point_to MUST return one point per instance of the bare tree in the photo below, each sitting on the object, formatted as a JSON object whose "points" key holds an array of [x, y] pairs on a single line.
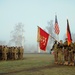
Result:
{"points": [[17, 36], [2, 42], [50, 29]]}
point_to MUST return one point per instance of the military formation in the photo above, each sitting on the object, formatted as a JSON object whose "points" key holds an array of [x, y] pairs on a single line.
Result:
{"points": [[64, 53], [11, 53]]}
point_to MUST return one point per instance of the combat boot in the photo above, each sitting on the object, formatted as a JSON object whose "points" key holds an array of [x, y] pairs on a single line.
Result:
{"points": [[61, 63], [73, 64], [55, 62], [65, 63], [70, 64]]}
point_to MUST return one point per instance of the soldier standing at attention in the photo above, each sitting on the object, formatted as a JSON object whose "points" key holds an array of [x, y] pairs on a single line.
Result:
{"points": [[71, 54], [60, 52], [15, 53], [55, 52], [18, 52], [1, 46], [4, 52], [21, 52], [66, 52]]}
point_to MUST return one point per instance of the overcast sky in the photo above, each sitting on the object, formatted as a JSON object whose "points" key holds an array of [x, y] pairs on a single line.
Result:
{"points": [[33, 13]]}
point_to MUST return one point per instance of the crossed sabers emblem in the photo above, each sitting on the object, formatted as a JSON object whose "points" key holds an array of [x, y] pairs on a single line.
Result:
{"points": [[43, 40]]}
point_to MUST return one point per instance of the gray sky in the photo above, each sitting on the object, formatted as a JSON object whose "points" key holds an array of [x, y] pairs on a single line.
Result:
{"points": [[33, 13]]}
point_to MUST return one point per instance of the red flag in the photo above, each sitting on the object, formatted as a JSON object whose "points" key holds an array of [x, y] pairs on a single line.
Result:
{"points": [[56, 26], [42, 38], [69, 39]]}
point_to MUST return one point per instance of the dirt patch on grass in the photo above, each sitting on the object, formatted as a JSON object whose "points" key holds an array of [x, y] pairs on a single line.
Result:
{"points": [[32, 69]]}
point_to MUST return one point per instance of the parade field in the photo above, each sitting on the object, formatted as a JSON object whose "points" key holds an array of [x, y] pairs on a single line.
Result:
{"points": [[35, 64]]}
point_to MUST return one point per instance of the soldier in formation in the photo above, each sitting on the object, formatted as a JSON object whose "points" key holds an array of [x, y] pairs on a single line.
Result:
{"points": [[64, 53], [55, 52], [4, 52], [20, 52], [11, 53], [71, 54], [60, 52]]}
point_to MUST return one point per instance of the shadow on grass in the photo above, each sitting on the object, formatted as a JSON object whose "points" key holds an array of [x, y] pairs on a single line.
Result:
{"points": [[34, 69]]}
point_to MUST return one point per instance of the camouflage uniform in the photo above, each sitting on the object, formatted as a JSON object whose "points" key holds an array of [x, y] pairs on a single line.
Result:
{"points": [[8, 54], [66, 53], [4, 53], [21, 52], [74, 47], [55, 52], [71, 54], [14, 51], [1, 52], [60, 52], [18, 52]]}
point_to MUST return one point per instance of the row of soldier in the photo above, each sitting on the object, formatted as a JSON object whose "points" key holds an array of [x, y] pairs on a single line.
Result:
{"points": [[64, 53], [11, 53]]}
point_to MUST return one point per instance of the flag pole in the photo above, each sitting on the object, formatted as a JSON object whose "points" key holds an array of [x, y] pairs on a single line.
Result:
{"points": [[38, 32], [38, 48], [58, 37], [53, 38]]}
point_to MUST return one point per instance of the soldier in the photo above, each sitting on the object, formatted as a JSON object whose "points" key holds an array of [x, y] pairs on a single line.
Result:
{"points": [[4, 52], [12, 52], [1, 51], [55, 52], [9, 53], [71, 54], [18, 52], [60, 52], [21, 52], [74, 49], [66, 52], [15, 53]]}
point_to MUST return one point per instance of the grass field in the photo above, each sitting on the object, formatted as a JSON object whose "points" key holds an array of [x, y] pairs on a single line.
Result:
{"points": [[35, 64]]}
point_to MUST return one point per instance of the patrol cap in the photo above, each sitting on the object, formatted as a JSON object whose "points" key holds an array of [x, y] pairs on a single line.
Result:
{"points": [[55, 41], [60, 40]]}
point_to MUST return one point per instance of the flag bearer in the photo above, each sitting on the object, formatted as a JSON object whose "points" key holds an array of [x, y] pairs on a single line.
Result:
{"points": [[60, 52], [71, 54], [66, 52], [55, 52]]}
